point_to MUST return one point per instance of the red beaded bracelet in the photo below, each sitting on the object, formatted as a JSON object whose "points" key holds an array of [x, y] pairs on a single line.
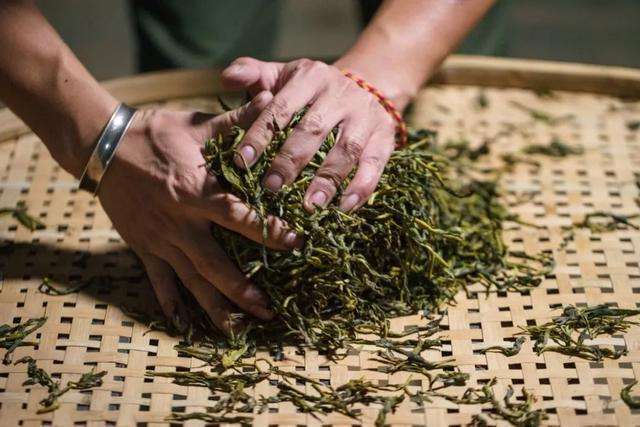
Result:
{"points": [[401, 127]]}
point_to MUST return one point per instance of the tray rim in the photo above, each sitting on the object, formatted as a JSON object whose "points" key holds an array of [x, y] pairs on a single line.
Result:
{"points": [[485, 71]]}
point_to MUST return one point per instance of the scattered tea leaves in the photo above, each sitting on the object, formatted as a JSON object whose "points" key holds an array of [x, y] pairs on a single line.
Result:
{"points": [[40, 376], [556, 148], [12, 337], [571, 332], [481, 100], [509, 351], [515, 413], [632, 402], [210, 418], [542, 116], [46, 286], [19, 213], [614, 220]]}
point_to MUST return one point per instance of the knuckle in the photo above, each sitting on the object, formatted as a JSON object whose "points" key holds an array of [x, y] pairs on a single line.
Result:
{"points": [[235, 211], [365, 188], [278, 110], [331, 177], [185, 185], [304, 64], [203, 270], [373, 161], [312, 123], [319, 65], [351, 147], [275, 228], [287, 163], [258, 137]]}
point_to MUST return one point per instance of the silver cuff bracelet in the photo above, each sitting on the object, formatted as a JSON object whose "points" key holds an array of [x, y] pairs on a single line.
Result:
{"points": [[106, 147]]}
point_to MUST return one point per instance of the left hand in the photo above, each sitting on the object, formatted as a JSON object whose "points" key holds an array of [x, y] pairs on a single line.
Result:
{"points": [[366, 138]]}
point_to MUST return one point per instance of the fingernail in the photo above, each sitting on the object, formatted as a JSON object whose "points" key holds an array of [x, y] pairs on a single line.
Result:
{"points": [[349, 202], [318, 198], [292, 240], [248, 153], [273, 182], [234, 69]]}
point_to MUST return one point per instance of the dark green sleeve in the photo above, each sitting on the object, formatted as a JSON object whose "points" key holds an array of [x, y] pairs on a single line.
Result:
{"points": [[201, 33], [489, 37]]}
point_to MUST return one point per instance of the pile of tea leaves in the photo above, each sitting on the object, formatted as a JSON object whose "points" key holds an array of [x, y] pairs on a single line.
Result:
{"points": [[430, 229]]}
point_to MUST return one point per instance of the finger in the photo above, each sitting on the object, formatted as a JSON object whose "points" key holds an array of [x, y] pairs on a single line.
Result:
{"points": [[213, 265], [303, 142], [230, 212], [252, 74], [220, 310], [370, 167], [165, 286], [243, 116], [217, 307], [299, 90], [341, 159]]}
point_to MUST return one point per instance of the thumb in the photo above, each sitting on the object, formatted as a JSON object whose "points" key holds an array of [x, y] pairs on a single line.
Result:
{"points": [[251, 74], [242, 116]]}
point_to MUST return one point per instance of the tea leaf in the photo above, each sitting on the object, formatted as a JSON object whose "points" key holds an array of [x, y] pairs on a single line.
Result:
{"points": [[12, 337], [210, 418], [632, 402], [20, 214], [542, 116], [555, 148], [570, 332], [507, 351], [46, 287], [516, 414], [40, 376]]}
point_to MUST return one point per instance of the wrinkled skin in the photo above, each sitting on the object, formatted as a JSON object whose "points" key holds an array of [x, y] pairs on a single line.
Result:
{"points": [[365, 141], [162, 201]]}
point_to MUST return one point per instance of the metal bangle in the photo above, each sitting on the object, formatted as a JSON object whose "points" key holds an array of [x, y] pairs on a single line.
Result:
{"points": [[106, 147]]}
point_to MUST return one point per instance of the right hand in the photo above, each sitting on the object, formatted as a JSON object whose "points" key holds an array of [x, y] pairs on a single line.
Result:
{"points": [[161, 200]]}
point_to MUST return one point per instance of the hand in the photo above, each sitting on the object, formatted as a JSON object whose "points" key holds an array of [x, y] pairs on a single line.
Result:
{"points": [[365, 140], [161, 200]]}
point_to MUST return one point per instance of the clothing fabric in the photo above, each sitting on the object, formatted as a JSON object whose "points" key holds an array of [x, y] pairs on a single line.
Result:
{"points": [[204, 33]]}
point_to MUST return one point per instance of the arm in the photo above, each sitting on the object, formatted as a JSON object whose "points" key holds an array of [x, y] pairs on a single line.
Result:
{"points": [[155, 192], [407, 40], [43, 83], [401, 48]]}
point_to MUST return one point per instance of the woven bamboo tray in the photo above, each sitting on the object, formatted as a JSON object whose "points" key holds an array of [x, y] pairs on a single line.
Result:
{"points": [[90, 328]]}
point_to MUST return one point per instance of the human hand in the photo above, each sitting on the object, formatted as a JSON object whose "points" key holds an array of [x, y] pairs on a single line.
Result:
{"points": [[366, 138], [161, 200]]}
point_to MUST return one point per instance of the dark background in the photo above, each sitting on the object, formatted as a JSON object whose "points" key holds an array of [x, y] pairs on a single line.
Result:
{"points": [[591, 31]]}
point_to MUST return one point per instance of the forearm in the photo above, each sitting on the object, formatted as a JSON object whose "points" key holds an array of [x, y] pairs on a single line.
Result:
{"points": [[44, 84], [407, 40]]}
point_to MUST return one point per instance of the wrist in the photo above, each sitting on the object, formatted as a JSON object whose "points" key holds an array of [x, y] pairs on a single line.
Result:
{"points": [[389, 82], [72, 109], [75, 146]]}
